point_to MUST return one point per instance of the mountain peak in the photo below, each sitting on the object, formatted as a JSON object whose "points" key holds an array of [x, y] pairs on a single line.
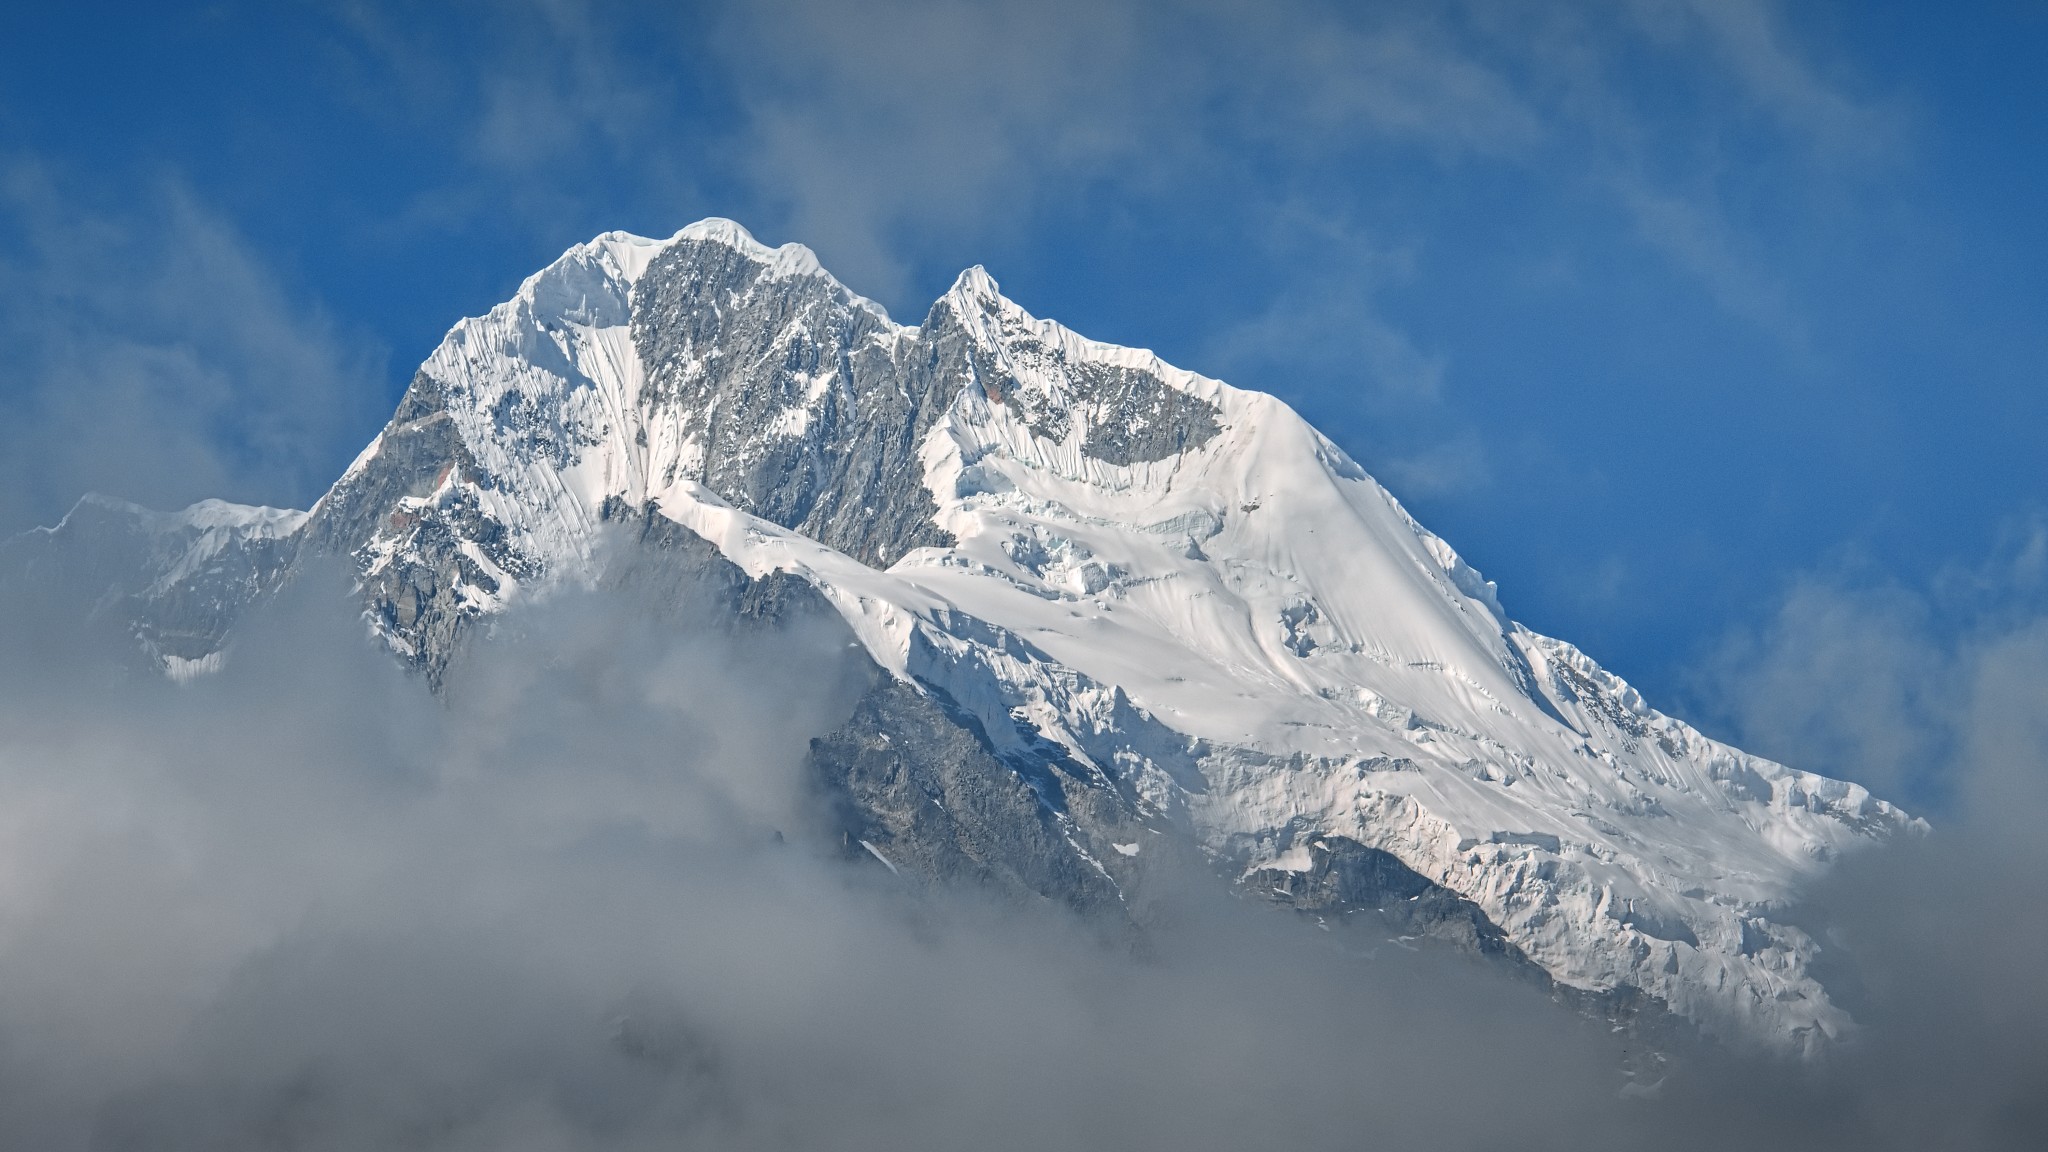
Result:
{"points": [[790, 259], [974, 289]]}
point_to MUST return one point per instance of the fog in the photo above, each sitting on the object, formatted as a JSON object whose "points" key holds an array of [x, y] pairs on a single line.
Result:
{"points": [[586, 899], [1935, 694]]}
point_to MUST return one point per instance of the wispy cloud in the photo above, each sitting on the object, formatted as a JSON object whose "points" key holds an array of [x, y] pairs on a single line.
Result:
{"points": [[877, 128], [894, 134], [1751, 38], [872, 129], [1860, 675], [1326, 334], [1694, 234], [155, 355], [879, 125]]}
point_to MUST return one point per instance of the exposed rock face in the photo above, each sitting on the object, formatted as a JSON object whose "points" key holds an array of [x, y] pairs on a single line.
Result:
{"points": [[800, 404], [915, 783], [412, 515], [1119, 613], [1345, 876], [1120, 414]]}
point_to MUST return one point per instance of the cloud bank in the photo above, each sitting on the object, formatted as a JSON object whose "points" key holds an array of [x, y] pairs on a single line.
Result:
{"points": [[585, 901], [588, 899]]}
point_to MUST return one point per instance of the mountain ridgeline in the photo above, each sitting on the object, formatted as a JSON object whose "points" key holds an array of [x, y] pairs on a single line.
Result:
{"points": [[1120, 616]]}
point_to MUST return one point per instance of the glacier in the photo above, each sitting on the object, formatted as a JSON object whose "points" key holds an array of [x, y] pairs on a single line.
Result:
{"points": [[1169, 610]]}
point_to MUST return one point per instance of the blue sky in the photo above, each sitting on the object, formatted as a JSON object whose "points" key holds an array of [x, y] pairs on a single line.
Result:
{"points": [[1711, 330]]}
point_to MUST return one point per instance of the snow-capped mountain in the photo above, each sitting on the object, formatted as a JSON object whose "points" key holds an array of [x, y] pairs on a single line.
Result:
{"points": [[1123, 610]]}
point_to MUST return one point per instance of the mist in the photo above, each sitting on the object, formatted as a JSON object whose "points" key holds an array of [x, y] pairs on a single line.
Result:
{"points": [[588, 897], [1937, 694], [585, 899]]}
